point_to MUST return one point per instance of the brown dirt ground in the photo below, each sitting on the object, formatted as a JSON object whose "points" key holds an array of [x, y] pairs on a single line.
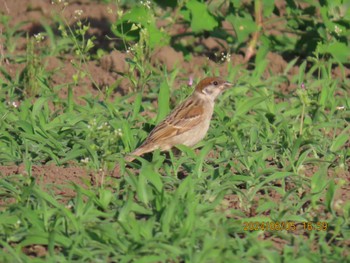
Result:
{"points": [[108, 70]]}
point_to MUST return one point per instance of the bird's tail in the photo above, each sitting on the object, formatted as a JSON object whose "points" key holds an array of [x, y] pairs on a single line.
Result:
{"points": [[131, 156], [137, 152]]}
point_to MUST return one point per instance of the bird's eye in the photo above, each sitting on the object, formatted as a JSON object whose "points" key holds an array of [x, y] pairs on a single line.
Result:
{"points": [[215, 83]]}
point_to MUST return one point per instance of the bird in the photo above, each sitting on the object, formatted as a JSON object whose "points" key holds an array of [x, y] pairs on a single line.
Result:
{"points": [[188, 123]]}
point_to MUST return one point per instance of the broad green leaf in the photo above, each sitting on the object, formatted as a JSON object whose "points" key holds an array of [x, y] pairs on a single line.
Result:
{"points": [[319, 180], [142, 189], [128, 27], [244, 106], [152, 258], [201, 18], [105, 197], [301, 75], [338, 50], [327, 90], [266, 206], [243, 26], [26, 126], [200, 160], [125, 210], [340, 140], [267, 7], [72, 155], [330, 196], [273, 177], [140, 209], [238, 142], [168, 215], [137, 105], [185, 186], [163, 101], [37, 107], [153, 177]]}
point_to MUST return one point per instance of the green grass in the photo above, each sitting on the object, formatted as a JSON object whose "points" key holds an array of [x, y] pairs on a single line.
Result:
{"points": [[253, 166]]}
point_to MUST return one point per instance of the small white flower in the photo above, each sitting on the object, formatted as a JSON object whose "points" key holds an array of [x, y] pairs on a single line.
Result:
{"points": [[134, 27], [146, 4], [18, 223], [39, 37], [78, 13], [130, 50], [85, 160], [225, 57], [228, 57], [340, 108], [337, 30], [109, 10], [13, 104], [118, 132]]}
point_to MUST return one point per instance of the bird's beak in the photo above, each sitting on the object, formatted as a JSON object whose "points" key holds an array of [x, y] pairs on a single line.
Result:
{"points": [[227, 85]]}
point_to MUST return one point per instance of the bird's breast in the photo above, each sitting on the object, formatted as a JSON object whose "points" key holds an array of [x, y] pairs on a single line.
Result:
{"points": [[197, 133]]}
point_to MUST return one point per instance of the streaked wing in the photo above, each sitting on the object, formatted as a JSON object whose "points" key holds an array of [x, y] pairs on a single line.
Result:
{"points": [[183, 118]]}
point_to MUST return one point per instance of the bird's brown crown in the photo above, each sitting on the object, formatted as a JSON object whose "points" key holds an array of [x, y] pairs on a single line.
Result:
{"points": [[209, 81]]}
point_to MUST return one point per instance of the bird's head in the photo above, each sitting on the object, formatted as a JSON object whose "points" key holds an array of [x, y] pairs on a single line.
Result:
{"points": [[212, 87]]}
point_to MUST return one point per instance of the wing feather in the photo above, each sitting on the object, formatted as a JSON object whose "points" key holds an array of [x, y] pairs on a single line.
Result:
{"points": [[186, 116]]}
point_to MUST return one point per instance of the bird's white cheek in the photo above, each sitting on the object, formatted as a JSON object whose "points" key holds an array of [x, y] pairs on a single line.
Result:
{"points": [[212, 93]]}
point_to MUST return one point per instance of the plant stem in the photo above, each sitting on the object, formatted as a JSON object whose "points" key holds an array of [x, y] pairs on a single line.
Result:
{"points": [[302, 120], [259, 22]]}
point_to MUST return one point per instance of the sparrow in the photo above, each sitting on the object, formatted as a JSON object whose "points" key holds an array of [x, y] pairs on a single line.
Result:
{"points": [[188, 123]]}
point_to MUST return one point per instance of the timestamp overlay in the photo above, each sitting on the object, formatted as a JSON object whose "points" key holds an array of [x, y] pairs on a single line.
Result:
{"points": [[284, 225]]}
